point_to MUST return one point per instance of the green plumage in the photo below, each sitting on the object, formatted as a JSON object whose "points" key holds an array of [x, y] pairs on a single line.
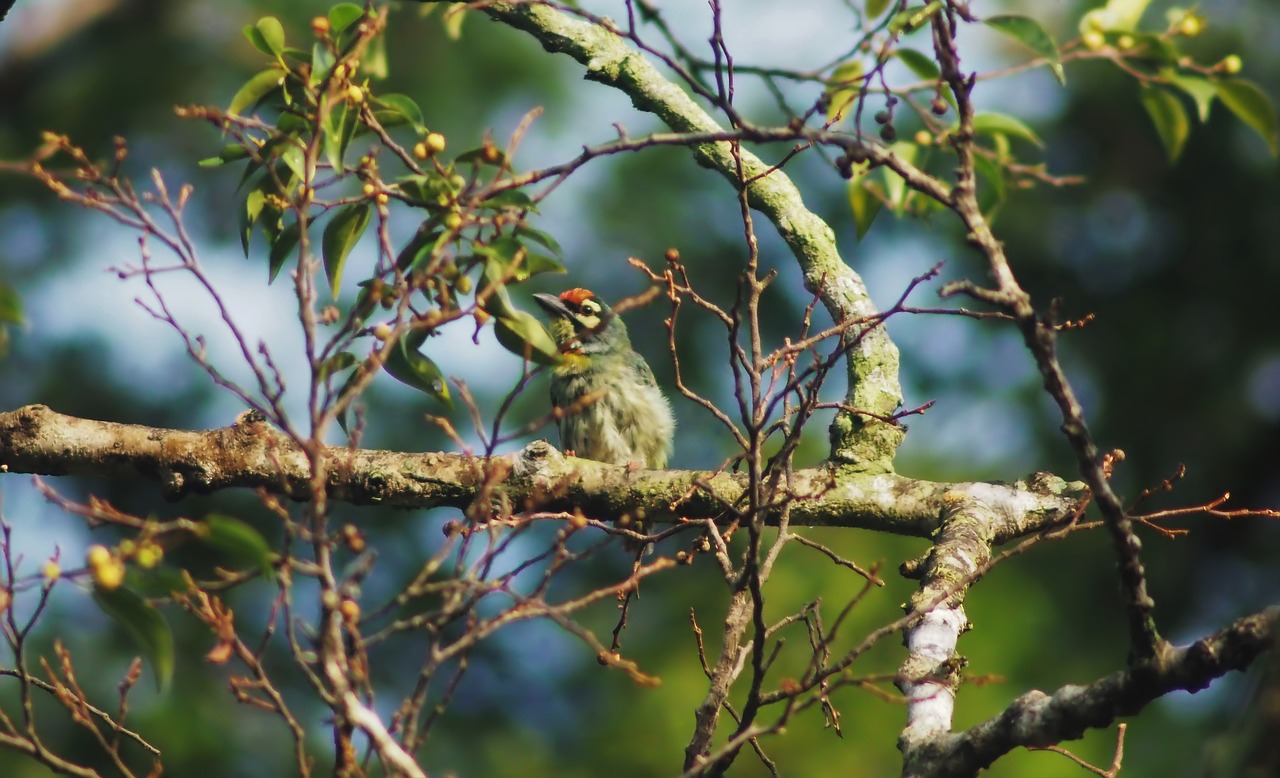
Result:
{"points": [[612, 409]]}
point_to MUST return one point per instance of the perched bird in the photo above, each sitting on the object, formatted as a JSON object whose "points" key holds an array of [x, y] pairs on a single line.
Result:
{"points": [[612, 409]]}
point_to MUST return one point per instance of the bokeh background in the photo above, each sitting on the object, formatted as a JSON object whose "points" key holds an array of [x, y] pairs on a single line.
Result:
{"points": [[1182, 365]]}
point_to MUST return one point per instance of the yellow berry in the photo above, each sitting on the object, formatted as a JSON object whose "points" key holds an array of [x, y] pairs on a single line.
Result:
{"points": [[420, 150], [1232, 64], [1191, 25], [453, 220], [1094, 40], [110, 575], [924, 138], [382, 198], [97, 556], [320, 26], [150, 555], [355, 94], [435, 143], [350, 610], [481, 316], [463, 285], [382, 331], [369, 189], [51, 571], [1125, 42]]}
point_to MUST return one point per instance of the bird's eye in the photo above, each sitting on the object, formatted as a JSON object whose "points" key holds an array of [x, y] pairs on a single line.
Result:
{"points": [[588, 308]]}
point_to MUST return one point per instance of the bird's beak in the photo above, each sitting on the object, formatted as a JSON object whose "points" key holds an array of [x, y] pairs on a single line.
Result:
{"points": [[552, 305]]}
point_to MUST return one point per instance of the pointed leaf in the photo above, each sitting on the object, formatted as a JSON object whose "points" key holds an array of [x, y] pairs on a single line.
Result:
{"points": [[523, 335], [1033, 35], [843, 88], [895, 186], [399, 109], [249, 213], [541, 238], [1202, 91], [862, 201], [322, 62], [340, 236], [272, 35], [990, 197], [1004, 124], [1253, 107], [240, 541], [1170, 119], [342, 16], [919, 63], [255, 89], [281, 248], [145, 624], [410, 366], [336, 364]]}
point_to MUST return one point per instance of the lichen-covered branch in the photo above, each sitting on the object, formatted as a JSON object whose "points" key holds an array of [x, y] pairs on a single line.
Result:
{"points": [[864, 440], [252, 454], [1039, 719]]}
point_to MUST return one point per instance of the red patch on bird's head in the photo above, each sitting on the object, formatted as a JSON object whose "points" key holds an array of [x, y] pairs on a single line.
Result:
{"points": [[575, 297]]}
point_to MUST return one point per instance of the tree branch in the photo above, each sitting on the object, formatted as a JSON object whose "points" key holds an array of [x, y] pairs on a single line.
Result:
{"points": [[1039, 719], [252, 454], [860, 439]]}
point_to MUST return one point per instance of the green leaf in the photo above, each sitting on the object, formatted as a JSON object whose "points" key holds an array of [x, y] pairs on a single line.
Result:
{"points": [[270, 35], [541, 238], [240, 541], [862, 201], [497, 302], [477, 156], [1116, 16], [342, 16], [399, 109], [1004, 124], [877, 7], [535, 263], [230, 153], [919, 63], [913, 18], [1033, 35], [249, 213], [374, 63], [333, 134], [256, 89], [895, 186], [295, 160], [843, 88], [336, 364], [10, 305], [145, 624], [1170, 119], [1201, 90], [523, 335], [990, 197], [322, 62], [453, 19], [281, 248], [410, 366], [340, 236], [1253, 107]]}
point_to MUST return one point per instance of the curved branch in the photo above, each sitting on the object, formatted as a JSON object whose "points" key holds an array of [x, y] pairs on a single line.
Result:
{"points": [[252, 454], [1039, 719], [865, 440]]}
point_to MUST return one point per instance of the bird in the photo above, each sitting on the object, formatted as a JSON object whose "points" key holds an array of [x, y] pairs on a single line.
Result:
{"points": [[608, 405]]}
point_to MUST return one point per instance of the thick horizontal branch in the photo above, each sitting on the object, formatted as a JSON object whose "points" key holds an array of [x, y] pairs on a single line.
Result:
{"points": [[252, 454], [1039, 719]]}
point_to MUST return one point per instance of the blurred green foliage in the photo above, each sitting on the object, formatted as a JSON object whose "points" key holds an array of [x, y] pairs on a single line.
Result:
{"points": [[1182, 365]]}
